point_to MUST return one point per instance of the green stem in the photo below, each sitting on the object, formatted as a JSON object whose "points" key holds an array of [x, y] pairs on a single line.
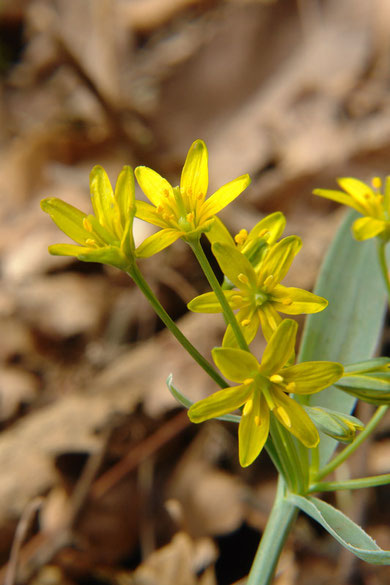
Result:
{"points": [[383, 265], [278, 527], [351, 484], [213, 281], [288, 457], [139, 280], [347, 452]]}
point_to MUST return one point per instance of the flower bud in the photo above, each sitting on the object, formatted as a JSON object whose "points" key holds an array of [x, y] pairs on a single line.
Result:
{"points": [[369, 380], [337, 425]]}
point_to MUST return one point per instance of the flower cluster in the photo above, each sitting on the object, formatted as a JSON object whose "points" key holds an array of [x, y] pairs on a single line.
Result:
{"points": [[254, 264]]}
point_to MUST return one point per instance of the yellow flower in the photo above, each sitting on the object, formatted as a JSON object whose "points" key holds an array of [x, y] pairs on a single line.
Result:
{"points": [[259, 297], [105, 237], [368, 201], [182, 212], [255, 243], [263, 391]]}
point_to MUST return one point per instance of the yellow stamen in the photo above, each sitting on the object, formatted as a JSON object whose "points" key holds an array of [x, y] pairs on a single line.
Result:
{"points": [[200, 196], [166, 193], [376, 183], [276, 378], [243, 278], [236, 298], [87, 225], [90, 242], [245, 322], [190, 217], [284, 416], [159, 208], [241, 237], [257, 421], [248, 407], [291, 386], [269, 280], [286, 301], [248, 381]]}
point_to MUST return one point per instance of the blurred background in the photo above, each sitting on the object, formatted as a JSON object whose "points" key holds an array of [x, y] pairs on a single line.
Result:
{"points": [[295, 92]]}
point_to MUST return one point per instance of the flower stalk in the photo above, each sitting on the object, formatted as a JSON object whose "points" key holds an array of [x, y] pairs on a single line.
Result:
{"points": [[139, 280], [213, 281]]}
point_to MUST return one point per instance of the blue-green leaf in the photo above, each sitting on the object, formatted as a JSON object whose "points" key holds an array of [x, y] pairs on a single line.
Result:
{"points": [[343, 529], [348, 329]]}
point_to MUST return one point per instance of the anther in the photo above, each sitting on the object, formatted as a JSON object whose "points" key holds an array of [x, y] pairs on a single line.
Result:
{"points": [[248, 381], [257, 420], [190, 217], [236, 298], [290, 387], [286, 301], [376, 183], [245, 322], [248, 407], [276, 378], [269, 280], [91, 243], [87, 225], [243, 278], [241, 237]]}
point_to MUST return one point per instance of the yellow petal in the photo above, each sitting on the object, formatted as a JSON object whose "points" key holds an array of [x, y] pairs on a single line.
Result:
{"points": [[219, 403], [69, 219], [208, 302], [223, 196], [277, 261], [359, 191], [310, 377], [235, 265], [253, 431], [236, 364], [279, 348], [156, 188], [124, 194], [249, 329], [269, 319], [195, 175], [295, 301], [340, 197], [270, 228], [368, 227], [218, 232], [148, 213], [103, 202], [67, 250], [157, 242], [292, 416]]}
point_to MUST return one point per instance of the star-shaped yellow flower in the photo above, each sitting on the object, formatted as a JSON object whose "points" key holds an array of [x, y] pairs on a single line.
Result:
{"points": [[263, 391], [182, 212], [370, 202], [105, 237], [259, 297]]}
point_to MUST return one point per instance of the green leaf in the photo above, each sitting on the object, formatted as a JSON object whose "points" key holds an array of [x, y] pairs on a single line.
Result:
{"points": [[348, 329], [346, 532]]}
